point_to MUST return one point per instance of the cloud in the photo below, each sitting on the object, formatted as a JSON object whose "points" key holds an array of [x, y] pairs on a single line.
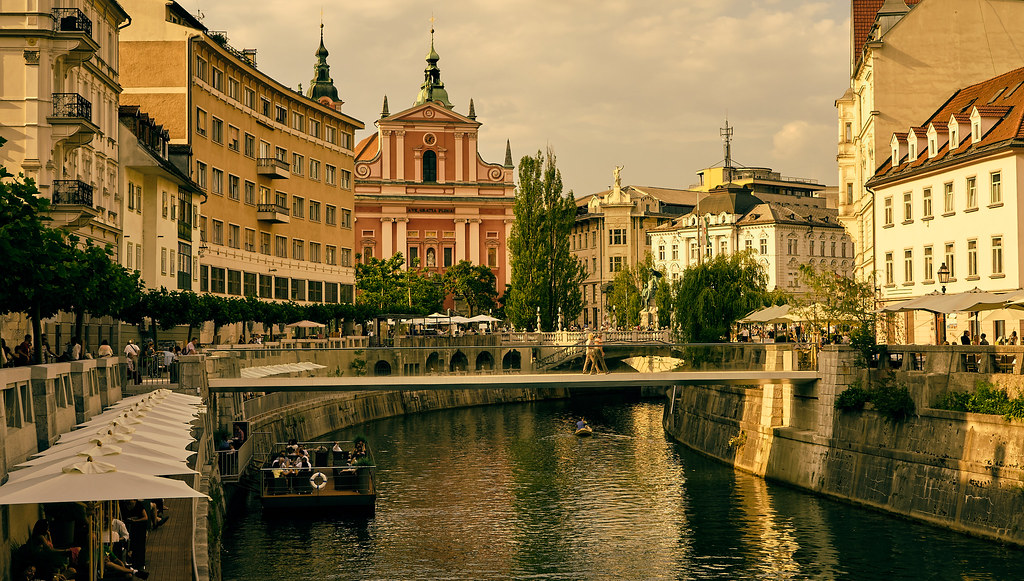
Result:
{"points": [[604, 83]]}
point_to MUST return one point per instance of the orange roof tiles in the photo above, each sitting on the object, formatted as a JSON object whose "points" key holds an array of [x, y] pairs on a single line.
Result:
{"points": [[367, 148], [1009, 126], [863, 17]]}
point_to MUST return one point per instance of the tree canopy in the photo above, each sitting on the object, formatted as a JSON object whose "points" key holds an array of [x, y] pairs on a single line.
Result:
{"points": [[472, 284], [711, 296], [545, 274]]}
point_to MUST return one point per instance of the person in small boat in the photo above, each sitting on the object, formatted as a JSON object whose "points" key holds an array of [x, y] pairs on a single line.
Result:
{"points": [[581, 424]]}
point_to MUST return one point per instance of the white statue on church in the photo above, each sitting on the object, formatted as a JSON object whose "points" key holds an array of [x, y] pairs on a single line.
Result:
{"points": [[618, 178]]}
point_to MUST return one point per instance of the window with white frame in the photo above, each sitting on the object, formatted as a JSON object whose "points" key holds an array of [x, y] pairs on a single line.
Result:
{"points": [[888, 268], [995, 188], [926, 203], [908, 266], [200, 122], [947, 197], [929, 268], [217, 130], [972, 258], [887, 212], [949, 256], [997, 255], [330, 174], [314, 169], [971, 192], [908, 206], [217, 181]]}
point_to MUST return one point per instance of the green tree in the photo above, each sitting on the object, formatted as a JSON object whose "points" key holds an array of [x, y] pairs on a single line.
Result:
{"points": [[40, 276], [105, 289], [423, 289], [545, 274], [834, 299], [713, 295], [473, 284], [663, 301], [380, 283]]}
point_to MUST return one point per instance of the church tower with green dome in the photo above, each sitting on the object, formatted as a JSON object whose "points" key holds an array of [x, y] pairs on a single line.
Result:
{"points": [[432, 88], [321, 88]]}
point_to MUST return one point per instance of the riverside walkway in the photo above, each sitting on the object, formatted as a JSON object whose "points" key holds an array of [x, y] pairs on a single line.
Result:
{"points": [[494, 381]]}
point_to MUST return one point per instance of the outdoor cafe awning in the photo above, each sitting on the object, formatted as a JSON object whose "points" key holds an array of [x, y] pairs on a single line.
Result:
{"points": [[975, 300]]}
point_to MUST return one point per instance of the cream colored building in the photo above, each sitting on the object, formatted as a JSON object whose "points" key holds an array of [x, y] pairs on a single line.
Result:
{"points": [[903, 63], [160, 223], [780, 234], [59, 89], [611, 234], [275, 165], [948, 196]]}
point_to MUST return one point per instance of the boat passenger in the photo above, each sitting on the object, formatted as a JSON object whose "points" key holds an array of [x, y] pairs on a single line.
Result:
{"points": [[581, 424]]}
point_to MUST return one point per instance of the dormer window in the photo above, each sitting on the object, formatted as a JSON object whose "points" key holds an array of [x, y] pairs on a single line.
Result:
{"points": [[931, 146], [912, 149], [954, 135], [975, 130], [895, 154]]}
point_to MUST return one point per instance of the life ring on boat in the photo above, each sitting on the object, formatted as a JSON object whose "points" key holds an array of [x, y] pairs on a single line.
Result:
{"points": [[318, 480]]}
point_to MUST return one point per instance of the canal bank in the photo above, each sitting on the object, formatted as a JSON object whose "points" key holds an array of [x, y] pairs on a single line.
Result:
{"points": [[956, 470]]}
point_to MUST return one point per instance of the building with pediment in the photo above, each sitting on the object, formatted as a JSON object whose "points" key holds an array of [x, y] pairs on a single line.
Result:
{"points": [[422, 189]]}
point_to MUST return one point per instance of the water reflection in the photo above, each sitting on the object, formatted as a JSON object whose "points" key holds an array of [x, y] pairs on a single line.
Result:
{"points": [[508, 492]]}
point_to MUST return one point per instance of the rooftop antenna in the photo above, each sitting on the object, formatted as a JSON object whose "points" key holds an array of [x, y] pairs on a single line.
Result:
{"points": [[726, 133]]}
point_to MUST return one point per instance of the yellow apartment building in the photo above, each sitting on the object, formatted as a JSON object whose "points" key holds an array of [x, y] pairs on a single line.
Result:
{"points": [[275, 165]]}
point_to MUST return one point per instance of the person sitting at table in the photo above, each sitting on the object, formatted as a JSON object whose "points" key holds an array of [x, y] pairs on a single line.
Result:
{"points": [[49, 561]]}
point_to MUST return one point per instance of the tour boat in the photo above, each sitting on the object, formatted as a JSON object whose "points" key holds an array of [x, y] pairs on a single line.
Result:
{"points": [[584, 431], [331, 484]]}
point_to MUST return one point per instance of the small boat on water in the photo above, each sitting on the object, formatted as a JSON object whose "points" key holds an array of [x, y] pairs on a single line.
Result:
{"points": [[341, 482], [584, 431]]}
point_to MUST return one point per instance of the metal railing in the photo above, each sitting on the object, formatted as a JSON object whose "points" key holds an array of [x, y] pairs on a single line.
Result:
{"points": [[71, 20], [71, 106], [74, 192], [272, 163], [278, 208]]}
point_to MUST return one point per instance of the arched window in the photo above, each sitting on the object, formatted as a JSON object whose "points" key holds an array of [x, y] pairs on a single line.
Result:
{"points": [[429, 166]]}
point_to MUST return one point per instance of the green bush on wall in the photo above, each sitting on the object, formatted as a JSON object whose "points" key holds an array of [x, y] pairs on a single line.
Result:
{"points": [[986, 399], [889, 398]]}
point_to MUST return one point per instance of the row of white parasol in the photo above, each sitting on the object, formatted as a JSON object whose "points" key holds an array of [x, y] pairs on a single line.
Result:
{"points": [[123, 453]]}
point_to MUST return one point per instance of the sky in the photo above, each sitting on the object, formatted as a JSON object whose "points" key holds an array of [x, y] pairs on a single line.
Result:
{"points": [[645, 85]]}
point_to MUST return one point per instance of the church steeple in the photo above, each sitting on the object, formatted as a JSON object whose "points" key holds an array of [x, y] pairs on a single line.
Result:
{"points": [[384, 111], [322, 85], [432, 88], [508, 153]]}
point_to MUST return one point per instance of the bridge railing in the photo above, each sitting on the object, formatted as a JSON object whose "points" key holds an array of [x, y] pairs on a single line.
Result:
{"points": [[464, 358]]}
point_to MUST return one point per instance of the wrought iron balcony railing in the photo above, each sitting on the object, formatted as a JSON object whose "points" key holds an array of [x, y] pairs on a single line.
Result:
{"points": [[278, 208], [74, 192], [71, 20], [71, 106]]}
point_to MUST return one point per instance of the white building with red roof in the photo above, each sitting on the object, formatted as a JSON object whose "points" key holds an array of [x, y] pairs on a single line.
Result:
{"points": [[948, 196]]}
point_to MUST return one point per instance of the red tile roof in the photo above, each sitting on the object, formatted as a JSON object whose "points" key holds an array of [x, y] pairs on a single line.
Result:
{"points": [[1009, 109], [367, 148], [863, 18]]}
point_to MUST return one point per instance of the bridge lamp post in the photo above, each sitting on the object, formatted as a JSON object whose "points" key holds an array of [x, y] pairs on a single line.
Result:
{"points": [[940, 319]]}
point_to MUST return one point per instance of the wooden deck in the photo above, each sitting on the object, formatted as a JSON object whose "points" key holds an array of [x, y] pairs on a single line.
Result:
{"points": [[169, 548]]}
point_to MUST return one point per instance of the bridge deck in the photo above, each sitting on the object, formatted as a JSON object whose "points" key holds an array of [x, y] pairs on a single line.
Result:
{"points": [[562, 380]]}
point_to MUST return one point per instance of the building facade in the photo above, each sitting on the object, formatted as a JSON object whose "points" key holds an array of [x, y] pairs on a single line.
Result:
{"points": [[610, 235], [947, 196], [422, 189], [60, 91], [160, 216], [905, 59], [780, 236], [276, 220]]}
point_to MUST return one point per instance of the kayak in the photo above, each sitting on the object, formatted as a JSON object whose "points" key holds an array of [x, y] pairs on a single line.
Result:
{"points": [[584, 431]]}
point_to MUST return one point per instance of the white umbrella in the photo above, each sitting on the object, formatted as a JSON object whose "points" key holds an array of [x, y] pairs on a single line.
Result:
{"points": [[93, 481], [483, 319], [126, 445], [152, 434], [306, 325], [154, 466]]}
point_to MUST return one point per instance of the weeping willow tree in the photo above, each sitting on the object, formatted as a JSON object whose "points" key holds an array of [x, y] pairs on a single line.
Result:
{"points": [[711, 296]]}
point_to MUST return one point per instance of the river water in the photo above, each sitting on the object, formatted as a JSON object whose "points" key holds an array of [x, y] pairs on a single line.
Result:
{"points": [[507, 492]]}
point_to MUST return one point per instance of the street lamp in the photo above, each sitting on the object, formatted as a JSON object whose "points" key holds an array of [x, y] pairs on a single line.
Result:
{"points": [[943, 276]]}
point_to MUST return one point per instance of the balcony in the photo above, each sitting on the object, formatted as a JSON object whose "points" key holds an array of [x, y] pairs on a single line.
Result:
{"points": [[71, 119], [71, 193], [73, 26], [184, 231], [272, 213], [272, 167]]}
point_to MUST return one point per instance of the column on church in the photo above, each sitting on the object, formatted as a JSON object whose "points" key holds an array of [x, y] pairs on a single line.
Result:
{"points": [[460, 239], [401, 240], [385, 155], [472, 158], [508, 255], [474, 241], [442, 165], [400, 165], [386, 238], [458, 156]]}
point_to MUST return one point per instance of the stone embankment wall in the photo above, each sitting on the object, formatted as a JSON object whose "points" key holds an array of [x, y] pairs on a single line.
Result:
{"points": [[957, 470], [307, 416]]}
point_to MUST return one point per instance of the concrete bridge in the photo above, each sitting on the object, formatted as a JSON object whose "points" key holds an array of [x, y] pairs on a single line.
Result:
{"points": [[559, 380]]}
